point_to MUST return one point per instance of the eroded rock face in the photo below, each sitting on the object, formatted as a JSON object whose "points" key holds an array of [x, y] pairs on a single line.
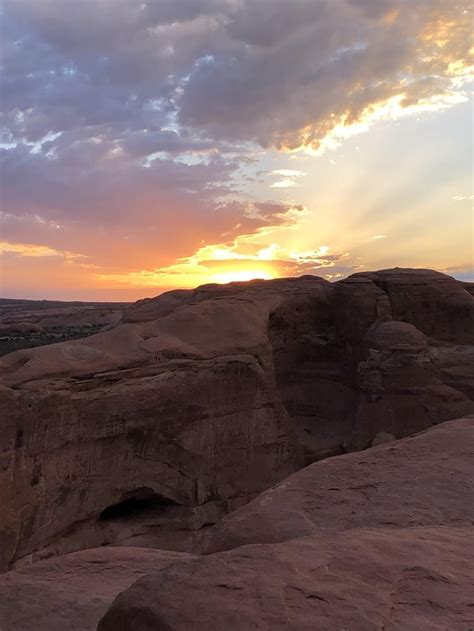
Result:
{"points": [[381, 539], [199, 400], [358, 359], [432, 302], [425, 480], [192, 437]]}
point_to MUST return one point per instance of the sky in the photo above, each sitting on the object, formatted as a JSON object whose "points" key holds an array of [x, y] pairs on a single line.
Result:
{"points": [[161, 144]]}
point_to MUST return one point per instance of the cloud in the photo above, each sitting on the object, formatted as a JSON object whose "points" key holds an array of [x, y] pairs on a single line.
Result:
{"points": [[294, 72], [247, 256], [127, 127], [277, 73], [27, 249], [285, 183], [289, 178], [288, 172]]}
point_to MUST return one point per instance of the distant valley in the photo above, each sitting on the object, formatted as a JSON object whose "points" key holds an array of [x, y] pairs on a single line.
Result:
{"points": [[30, 323]]}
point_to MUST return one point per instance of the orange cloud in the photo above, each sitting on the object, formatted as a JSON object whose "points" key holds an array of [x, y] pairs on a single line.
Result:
{"points": [[391, 17], [30, 250]]}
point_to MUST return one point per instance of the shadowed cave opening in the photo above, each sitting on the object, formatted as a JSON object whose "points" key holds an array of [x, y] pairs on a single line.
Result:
{"points": [[136, 503]]}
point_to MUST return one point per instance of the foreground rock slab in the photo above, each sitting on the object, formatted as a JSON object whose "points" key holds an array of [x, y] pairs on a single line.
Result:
{"points": [[382, 539], [417, 579], [425, 480], [72, 592]]}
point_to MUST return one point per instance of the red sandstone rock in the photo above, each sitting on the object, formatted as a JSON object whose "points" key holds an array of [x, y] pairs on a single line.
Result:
{"points": [[72, 592], [435, 303], [377, 540], [425, 480], [412, 579], [201, 399]]}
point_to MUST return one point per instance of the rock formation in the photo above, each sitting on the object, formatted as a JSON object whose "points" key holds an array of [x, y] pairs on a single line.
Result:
{"points": [[381, 539], [402, 580], [377, 539], [199, 400], [425, 480]]}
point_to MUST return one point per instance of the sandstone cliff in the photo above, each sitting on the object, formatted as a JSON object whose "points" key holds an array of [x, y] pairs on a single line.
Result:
{"points": [[199, 400], [380, 539]]}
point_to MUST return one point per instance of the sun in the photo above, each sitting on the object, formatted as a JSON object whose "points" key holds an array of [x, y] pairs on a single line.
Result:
{"points": [[241, 275]]}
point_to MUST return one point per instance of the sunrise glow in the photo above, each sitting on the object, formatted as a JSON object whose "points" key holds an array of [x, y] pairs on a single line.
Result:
{"points": [[124, 177], [241, 275]]}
